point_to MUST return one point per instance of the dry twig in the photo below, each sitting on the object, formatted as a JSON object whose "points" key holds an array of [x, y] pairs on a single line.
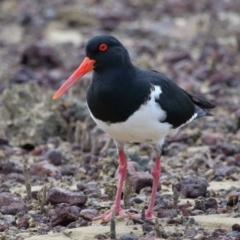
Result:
{"points": [[112, 226], [27, 181], [157, 229], [175, 197]]}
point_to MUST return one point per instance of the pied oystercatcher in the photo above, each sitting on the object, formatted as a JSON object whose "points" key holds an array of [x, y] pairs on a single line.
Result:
{"points": [[132, 105]]}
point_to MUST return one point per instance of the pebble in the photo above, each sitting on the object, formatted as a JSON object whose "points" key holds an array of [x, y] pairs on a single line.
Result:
{"points": [[148, 226], [55, 157], [209, 173], [223, 170], [10, 204], [10, 219], [199, 236], [236, 227], [212, 138], [58, 195], [3, 226], [65, 214], [177, 235], [233, 198], [184, 205], [128, 236], [68, 170], [23, 75], [4, 141], [88, 214], [190, 232], [187, 212], [165, 213], [133, 166], [237, 158], [228, 149], [45, 168], [23, 223], [217, 233], [138, 199], [140, 180], [192, 187], [101, 236], [7, 167], [91, 189], [175, 55], [17, 177], [40, 54], [222, 210], [233, 234], [206, 204]]}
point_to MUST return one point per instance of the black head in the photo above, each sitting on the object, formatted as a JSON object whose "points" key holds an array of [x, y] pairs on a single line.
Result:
{"points": [[104, 54], [107, 51]]}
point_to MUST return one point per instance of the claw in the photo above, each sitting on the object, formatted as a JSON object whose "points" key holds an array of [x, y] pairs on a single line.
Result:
{"points": [[105, 217]]}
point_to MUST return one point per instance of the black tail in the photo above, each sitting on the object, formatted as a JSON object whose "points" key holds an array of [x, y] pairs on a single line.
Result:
{"points": [[201, 101], [201, 112]]}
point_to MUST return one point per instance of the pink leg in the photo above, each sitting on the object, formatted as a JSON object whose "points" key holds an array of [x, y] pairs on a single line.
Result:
{"points": [[116, 205], [156, 172], [122, 169]]}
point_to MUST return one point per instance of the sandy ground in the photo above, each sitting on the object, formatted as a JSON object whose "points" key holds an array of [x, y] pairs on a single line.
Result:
{"points": [[195, 43], [208, 222]]}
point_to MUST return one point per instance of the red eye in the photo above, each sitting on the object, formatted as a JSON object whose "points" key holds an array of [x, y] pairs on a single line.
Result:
{"points": [[103, 47]]}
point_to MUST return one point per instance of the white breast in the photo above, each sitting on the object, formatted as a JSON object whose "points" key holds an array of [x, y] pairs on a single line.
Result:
{"points": [[144, 125]]}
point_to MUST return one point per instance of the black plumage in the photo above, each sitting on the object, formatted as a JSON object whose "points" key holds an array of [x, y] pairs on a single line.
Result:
{"points": [[117, 92]]}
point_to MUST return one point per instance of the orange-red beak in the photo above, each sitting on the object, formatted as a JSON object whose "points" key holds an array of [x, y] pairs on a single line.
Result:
{"points": [[85, 66]]}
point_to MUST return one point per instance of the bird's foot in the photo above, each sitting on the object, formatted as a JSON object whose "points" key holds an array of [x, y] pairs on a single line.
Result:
{"points": [[105, 217], [117, 211], [149, 215]]}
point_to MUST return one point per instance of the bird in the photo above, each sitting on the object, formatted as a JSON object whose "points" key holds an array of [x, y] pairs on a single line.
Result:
{"points": [[133, 105]]}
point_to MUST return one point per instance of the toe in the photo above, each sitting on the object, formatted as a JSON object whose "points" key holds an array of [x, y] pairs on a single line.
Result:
{"points": [[149, 215], [102, 216]]}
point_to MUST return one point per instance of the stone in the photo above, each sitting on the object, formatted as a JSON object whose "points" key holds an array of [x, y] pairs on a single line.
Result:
{"points": [[192, 187], [140, 180], [128, 236], [212, 138], [58, 195], [190, 232], [7, 167], [236, 227], [233, 198], [55, 157], [88, 214], [10, 204], [223, 170], [65, 214], [91, 189], [23, 222], [45, 168], [40, 54], [148, 226], [166, 213], [206, 204]]}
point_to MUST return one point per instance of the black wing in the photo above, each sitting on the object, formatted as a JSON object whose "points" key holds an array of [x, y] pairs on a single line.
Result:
{"points": [[179, 105]]}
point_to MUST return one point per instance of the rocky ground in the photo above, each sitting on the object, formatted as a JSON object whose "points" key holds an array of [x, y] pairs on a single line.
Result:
{"points": [[58, 170]]}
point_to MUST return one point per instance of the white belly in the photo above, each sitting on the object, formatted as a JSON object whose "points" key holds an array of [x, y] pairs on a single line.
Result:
{"points": [[144, 125]]}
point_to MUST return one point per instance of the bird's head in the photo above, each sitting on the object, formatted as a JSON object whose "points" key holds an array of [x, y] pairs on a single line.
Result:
{"points": [[102, 52]]}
